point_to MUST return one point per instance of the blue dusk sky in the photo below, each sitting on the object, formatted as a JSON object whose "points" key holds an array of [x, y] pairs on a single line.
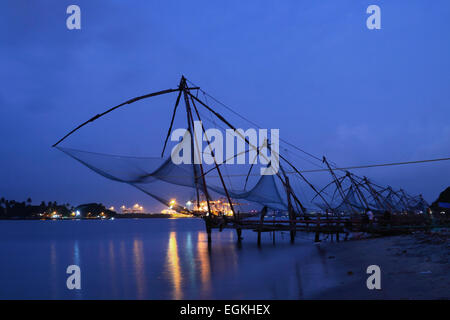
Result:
{"points": [[310, 68]]}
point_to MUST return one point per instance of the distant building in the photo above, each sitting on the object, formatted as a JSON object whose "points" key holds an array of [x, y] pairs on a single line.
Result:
{"points": [[168, 211], [219, 206], [134, 209]]}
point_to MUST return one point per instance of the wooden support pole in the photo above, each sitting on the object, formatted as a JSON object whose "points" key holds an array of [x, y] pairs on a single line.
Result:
{"points": [[154, 94], [317, 236], [338, 225], [238, 227], [261, 223], [239, 234], [208, 231], [359, 193], [292, 214], [173, 117], [329, 227], [215, 162], [221, 118], [338, 186], [292, 233]]}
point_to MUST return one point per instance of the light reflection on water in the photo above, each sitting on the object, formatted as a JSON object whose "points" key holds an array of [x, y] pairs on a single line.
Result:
{"points": [[196, 265], [173, 265], [77, 261], [54, 269], [150, 259], [112, 266], [205, 266], [139, 267]]}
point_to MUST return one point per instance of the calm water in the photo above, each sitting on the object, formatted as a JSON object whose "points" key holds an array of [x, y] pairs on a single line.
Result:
{"points": [[154, 259]]}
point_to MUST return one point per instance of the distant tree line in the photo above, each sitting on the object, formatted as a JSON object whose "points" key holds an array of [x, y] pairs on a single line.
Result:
{"points": [[25, 209], [11, 209], [444, 198]]}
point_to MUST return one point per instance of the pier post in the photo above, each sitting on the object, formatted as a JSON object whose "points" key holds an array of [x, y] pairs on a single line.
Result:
{"points": [[273, 237], [208, 231], [317, 237], [239, 234], [338, 225], [261, 223]]}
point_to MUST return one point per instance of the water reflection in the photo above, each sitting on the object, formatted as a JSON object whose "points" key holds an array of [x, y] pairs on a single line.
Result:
{"points": [[163, 259], [76, 253], [77, 261], [189, 253], [112, 267], [54, 270], [205, 266], [139, 269], [189, 261], [123, 266], [173, 263]]}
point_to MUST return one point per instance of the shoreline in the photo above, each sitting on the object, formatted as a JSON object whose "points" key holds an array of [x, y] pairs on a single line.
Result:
{"points": [[412, 266], [127, 216]]}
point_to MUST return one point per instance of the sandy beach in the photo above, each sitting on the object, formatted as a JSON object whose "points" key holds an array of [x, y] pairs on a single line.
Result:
{"points": [[412, 267]]}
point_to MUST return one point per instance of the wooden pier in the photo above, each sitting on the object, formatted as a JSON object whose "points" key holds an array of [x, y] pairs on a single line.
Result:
{"points": [[336, 228]]}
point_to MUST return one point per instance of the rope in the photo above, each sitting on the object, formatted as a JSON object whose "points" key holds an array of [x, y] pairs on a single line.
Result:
{"points": [[253, 123], [364, 166], [384, 164], [288, 172], [317, 158]]}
